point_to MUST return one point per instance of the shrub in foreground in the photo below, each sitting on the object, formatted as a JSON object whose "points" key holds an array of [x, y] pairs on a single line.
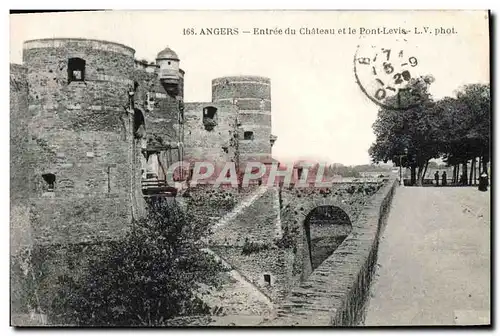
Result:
{"points": [[149, 277]]}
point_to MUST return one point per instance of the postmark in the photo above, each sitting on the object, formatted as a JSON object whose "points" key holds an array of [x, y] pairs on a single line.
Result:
{"points": [[385, 72]]}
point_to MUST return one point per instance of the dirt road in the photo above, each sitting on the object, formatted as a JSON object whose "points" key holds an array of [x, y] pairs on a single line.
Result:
{"points": [[434, 259]]}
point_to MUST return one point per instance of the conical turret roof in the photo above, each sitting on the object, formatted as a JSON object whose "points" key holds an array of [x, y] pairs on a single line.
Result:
{"points": [[167, 53]]}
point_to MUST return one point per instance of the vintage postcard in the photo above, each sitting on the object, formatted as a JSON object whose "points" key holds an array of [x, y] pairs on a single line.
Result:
{"points": [[250, 168]]}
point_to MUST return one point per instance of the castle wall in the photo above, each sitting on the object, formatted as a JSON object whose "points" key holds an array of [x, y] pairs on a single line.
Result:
{"points": [[258, 224], [78, 155], [274, 262], [19, 116], [252, 95], [81, 132], [336, 292], [20, 226], [217, 145], [162, 111], [210, 205]]}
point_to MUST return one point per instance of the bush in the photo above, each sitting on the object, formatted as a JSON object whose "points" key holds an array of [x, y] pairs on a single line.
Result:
{"points": [[213, 199], [151, 276], [351, 190], [253, 247]]}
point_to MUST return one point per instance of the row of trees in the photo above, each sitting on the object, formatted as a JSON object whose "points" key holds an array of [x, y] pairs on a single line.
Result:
{"points": [[456, 129]]}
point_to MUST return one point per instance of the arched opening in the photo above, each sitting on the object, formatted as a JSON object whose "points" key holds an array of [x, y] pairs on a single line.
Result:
{"points": [[209, 117], [139, 124], [325, 227]]}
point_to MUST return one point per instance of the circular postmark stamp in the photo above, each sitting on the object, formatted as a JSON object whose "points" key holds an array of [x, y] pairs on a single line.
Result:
{"points": [[385, 72]]}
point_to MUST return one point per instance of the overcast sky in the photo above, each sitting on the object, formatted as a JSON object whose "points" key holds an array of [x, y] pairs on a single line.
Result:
{"points": [[318, 109]]}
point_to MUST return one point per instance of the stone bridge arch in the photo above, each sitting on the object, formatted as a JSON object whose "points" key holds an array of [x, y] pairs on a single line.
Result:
{"points": [[323, 225]]}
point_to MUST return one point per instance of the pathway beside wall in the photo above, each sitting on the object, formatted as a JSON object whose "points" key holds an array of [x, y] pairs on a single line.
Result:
{"points": [[433, 259]]}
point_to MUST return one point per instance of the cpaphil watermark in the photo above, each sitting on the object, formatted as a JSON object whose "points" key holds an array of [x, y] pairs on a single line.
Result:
{"points": [[305, 174]]}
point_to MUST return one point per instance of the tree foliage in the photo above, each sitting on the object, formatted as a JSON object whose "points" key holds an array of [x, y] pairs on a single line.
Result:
{"points": [[457, 129], [466, 124], [146, 279], [408, 134]]}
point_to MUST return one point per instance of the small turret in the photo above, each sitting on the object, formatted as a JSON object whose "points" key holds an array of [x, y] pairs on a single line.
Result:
{"points": [[168, 61]]}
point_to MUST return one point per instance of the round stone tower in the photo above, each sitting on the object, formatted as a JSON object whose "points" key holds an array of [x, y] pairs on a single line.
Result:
{"points": [[19, 117], [252, 96], [83, 139]]}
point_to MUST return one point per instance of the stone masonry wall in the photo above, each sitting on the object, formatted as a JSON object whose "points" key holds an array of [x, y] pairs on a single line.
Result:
{"points": [[258, 223], [274, 261], [217, 145], [19, 117], [297, 203], [252, 95], [249, 243], [19, 167], [209, 204], [335, 292], [162, 111], [267, 237], [20, 226], [81, 132]]}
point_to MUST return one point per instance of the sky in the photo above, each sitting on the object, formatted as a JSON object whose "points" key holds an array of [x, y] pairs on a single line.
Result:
{"points": [[319, 111]]}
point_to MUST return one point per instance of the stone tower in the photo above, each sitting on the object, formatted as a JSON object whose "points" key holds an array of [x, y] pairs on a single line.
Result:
{"points": [[252, 96], [83, 139], [19, 167]]}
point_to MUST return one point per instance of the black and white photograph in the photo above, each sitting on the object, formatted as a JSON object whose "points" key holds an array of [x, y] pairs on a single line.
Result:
{"points": [[250, 168]]}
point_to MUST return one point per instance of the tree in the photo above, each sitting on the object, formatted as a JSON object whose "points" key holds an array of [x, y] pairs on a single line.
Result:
{"points": [[412, 134], [433, 165], [475, 99], [466, 126], [344, 171], [151, 276]]}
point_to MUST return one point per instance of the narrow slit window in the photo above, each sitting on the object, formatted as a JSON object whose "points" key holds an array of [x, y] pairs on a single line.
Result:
{"points": [[267, 279], [109, 179], [76, 70]]}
